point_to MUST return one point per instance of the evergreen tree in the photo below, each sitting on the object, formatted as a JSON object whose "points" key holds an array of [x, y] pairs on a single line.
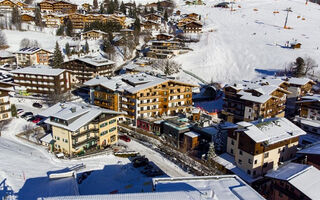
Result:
{"points": [[37, 17], [102, 10], [145, 10], [108, 48], [159, 8], [69, 28], [13, 110], [137, 25], [116, 5], [211, 152], [152, 10], [67, 48], [60, 30], [86, 47], [57, 57], [165, 15], [299, 69], [3, 40], [111, 7], [95, 4], [130, 12], [123, 8]]}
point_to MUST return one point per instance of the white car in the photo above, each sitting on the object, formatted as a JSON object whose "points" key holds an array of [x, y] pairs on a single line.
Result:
{"points": [[20, 111]]}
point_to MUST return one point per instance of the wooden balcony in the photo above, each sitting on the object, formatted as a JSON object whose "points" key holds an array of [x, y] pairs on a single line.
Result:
{"points": [[150, 110]]}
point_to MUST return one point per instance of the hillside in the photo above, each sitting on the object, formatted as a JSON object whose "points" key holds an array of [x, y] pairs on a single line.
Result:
{"points": [[245, 40]]}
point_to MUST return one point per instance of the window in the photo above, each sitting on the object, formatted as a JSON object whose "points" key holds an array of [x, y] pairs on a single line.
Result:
{"points": [[266, 154], [240, 161], [249, 161], [255, 161], [231, 151], [112, 129], [232, 142], [113, 138], [265, 165], [240, 152], [248, 172], [254, 173]]}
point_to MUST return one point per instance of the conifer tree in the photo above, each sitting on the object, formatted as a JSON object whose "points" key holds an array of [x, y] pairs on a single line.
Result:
{"points": [[67, 48], [95, 4], [60, 30], [69, 28], [102, 10], [299, 69], [123, 8], [165, 15], [86, 47], [37, 17], [57, 57], [116, 5], [16, 18]]}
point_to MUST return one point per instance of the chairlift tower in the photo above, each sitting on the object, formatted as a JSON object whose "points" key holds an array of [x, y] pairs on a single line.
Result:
{"points": [[286, 21]]}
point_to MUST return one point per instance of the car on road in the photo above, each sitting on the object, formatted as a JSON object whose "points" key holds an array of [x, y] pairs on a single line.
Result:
{"points": [[27, 114], [124, 138], [20, 111], [140, 162], [37, 105]]}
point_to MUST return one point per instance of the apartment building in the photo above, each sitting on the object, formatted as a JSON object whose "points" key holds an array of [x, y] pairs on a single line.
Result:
{"points": [[260, 146], [294, 181], [309, 114], [191, 27], [78, 127], [163, 49], [7, 58], [141, 95], [6, 6], [93, 35], [61, 6], [42, 79], [252, 100], [88, 67], [32, 56], [5, 106]]}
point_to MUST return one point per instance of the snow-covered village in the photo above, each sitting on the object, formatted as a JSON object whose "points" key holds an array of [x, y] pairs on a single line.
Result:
{"points": [[159, 99]]}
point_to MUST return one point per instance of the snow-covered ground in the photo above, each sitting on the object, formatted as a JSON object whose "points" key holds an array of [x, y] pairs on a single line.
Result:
{"points": [[234, 44], [25, 166]]}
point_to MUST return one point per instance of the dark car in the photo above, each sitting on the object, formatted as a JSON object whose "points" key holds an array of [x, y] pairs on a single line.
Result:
{"points": [[124, 138], [140, 162], [26, 114], [37, 105]]}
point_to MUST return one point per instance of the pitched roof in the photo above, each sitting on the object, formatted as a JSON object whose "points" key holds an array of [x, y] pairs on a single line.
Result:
{"points": [[128, 82], [77, 114], [96, 61], [303, 177], [270, 130], [311, 149], [31, 50], [39, 70]]}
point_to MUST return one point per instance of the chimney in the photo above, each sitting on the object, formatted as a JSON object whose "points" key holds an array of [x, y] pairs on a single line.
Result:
{"points": [[73, 109]]}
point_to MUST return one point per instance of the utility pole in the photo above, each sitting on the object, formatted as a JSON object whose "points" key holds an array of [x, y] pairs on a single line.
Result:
{"points": [[285, 23]]}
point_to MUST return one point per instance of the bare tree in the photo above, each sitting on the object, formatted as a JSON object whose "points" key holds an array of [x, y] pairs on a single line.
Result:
{"points": [[25, 42], [169, 67], [310, 65], [3, 40]]}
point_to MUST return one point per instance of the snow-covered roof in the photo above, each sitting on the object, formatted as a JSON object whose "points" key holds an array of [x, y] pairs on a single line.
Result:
{"points": [[97, 61], [303, 177], [77, 114], [312, 149], [47, 138], [97, 31], [270, 130], [128, 82], [30, 50], [5, 54], [192, 134], [308, 122], [229, 187], [299, 81], [310, 98], [39, 70]]}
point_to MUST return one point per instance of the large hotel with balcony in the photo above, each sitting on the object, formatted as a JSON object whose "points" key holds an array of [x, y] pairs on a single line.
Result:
{"points": [[42, 79], [141, 95]]}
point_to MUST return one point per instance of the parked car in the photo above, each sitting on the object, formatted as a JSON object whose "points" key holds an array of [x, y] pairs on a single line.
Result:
{"points": [[31, 119], [36, 120], [37, 105], [124, 138], [20, 111], [26, 114], [140, 162]]}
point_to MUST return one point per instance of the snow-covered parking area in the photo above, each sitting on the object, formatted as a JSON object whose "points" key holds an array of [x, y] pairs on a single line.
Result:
{"points": [[25, 167]]}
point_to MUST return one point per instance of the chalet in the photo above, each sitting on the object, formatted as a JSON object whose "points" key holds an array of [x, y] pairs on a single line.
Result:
{"points": [[191, 27], [262, 145], [164, 36], [86, 6], [93, 35], [53, 20], [25, 17], [150, 25], [247, 101], [7, 58], [141, 95], [194, 16], [293, 181], [42, 79], [150, 124], [77, 19], [126, 32], [178, 12], [153, 17], [32, 56], [7, 6], [60, 6], [151, 6], [165, 49], [88, 67]]}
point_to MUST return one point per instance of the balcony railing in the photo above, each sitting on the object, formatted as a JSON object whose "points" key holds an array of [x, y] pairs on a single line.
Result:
{"points": [[92, 130], [88, 140]]}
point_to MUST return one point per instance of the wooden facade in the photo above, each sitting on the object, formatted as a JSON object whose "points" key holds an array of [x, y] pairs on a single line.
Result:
{"points": [[27, 18], [57, 6], [5, 106]]}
